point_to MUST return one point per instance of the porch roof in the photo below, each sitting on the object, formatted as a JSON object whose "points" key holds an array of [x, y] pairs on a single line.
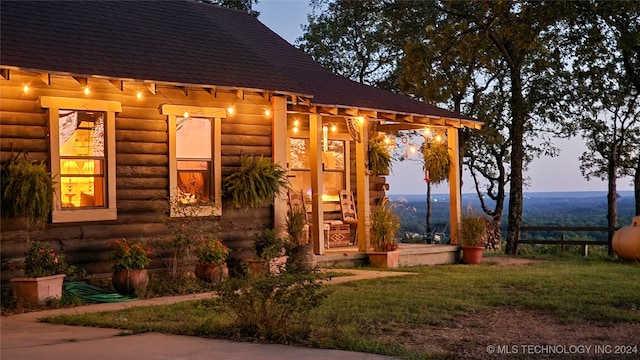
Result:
{"points": [[183, 43]]}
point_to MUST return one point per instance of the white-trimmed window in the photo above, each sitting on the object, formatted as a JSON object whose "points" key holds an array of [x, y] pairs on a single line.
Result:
{"points": [[194, 156], [82, 136], [334, 168]]}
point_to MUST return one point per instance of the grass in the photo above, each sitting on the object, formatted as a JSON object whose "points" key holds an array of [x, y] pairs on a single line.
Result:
{"points": [[371, 315]]}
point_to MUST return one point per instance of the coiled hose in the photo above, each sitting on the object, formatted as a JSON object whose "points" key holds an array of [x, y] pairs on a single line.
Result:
{"points": [[91, 294]]}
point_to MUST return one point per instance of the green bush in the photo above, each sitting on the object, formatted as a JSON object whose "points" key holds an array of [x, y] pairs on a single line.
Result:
{"points": [[270, 307]]}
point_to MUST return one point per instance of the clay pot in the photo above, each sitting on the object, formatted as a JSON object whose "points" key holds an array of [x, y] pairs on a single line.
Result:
{"points": [[212, 273], [130, 282], [472, 254]]}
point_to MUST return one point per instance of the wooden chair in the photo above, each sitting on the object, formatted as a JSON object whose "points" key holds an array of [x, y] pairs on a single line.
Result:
{"points": [[349, 212]]}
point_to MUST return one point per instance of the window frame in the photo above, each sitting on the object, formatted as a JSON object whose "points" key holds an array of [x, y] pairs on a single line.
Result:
{"points": [[304, 135], [215, 115], [110, 108]]}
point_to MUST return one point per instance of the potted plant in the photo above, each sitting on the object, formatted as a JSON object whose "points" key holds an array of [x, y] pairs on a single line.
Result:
{"points": [[270, 253], [212, 256], [473, 233], [257, 180], [130, 276], [384, 224], [379, 157], [44, 275], [298, 248], [27, 191]]}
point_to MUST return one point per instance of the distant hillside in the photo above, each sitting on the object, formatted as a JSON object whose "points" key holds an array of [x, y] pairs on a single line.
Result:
{"points": [[540, 209]]}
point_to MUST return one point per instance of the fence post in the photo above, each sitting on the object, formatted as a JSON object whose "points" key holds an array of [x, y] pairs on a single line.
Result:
{"points": [[585, 250]]}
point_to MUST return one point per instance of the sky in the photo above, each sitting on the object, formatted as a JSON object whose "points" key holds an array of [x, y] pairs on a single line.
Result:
{"points": [[558, 174]]}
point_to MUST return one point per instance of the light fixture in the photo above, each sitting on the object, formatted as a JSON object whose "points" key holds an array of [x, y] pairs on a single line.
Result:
{"points": [[427, 131], [267, 112], [139, 95], [438, 138], [231, 110], [86, 90], [334, 128], [185, 115], [295, 126], [25, 89], [361, 120]]}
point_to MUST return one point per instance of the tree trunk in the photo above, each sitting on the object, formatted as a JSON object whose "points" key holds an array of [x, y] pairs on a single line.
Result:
{"points": [[517, 158], [636, 186], [428, 219], [612, 194]]}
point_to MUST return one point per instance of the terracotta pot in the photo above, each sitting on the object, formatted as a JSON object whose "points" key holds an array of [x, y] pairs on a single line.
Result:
{"points": [[626, 241], [32, 291], [212, 273], [384, 259], [130, 282], [472, 254]]}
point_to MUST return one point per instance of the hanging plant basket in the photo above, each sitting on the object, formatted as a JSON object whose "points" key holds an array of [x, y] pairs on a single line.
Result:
{"points": [[256, 181]]}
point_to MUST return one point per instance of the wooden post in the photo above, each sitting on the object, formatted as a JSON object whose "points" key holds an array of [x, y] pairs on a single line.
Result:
{"points": [[279, 156], [362, 187], [455, 193], [317, 215]]}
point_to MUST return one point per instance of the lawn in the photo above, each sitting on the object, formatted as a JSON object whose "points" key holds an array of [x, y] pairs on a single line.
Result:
{"points": [[439, 311]]}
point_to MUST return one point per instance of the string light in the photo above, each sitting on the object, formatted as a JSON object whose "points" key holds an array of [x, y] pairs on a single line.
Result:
{"points": [[86, 90], [185, 115], [25, 89], [267, 112], [139, 95], [295, 126], [427, 131], [334, 128], [231, 110], [438, 138]]}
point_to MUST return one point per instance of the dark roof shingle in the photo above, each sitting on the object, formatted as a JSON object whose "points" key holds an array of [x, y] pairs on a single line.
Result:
{"points": [[182, 42]]}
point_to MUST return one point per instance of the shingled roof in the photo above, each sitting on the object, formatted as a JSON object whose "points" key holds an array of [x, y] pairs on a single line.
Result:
{"points": [[180, 42]]}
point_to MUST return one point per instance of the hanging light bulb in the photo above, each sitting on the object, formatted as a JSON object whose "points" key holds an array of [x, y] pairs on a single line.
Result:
{"points": [[86, 90], [412, 149], [185, 115], [334, 128], [25, 89], [267, 112], [427, 131], [231, 110], [139, 95], [438, 138]]}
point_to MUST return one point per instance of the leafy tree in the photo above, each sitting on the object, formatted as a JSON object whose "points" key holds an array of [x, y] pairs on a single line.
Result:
{"points": [[347, 38], [503, 52], [244, 5], [607, 65]]}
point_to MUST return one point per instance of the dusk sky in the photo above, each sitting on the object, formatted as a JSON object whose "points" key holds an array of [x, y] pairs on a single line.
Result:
{"points": [[561, 173]]}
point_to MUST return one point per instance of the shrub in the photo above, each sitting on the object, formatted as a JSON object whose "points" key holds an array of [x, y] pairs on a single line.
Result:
{"points": [[275, 308], [384, 224], [42, 260]]}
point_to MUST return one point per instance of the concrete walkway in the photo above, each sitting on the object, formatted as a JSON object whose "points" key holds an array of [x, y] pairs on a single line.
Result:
{"points": [[22, 337]]}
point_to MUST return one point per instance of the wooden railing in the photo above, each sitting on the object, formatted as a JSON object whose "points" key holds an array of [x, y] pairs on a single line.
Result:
{"points": [[564, 242]]}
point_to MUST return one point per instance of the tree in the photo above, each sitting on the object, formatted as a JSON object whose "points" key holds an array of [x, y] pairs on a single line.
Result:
{"points": [[504, 51], [607, 65], [347, 38], [244, 5]]}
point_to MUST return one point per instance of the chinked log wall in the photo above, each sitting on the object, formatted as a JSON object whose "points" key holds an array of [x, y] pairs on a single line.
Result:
{"points": [[141, 165]]}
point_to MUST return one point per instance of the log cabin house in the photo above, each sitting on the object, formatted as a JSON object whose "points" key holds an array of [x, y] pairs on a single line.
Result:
{"points": [[123, 100]]}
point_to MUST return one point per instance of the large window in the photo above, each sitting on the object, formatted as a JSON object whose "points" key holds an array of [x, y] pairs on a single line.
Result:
{"points": [[82, 136], [195, 158], [333, 165]]}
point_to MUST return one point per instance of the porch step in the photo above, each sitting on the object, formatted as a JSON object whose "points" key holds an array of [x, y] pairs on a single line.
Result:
{"points": [[410, 255]]}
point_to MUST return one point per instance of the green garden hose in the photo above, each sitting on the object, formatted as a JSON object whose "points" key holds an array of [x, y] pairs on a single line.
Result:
{"points": [[93, 295]]}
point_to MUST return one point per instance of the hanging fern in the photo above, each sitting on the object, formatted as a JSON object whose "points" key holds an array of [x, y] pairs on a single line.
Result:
{"points": [[436, 161], [256, 181], [379, 157], [27, 190]]}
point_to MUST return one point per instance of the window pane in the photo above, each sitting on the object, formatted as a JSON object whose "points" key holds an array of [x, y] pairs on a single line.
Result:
{"points": [[82, 163], [81, 133], [194, 181], [333, 158], [193, 138], [332, 183], [298, 156]]}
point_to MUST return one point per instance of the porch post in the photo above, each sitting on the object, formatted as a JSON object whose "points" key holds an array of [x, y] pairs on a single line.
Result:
{"points": [[455, 196], [362, 187], [279, 156], [317, 215]]}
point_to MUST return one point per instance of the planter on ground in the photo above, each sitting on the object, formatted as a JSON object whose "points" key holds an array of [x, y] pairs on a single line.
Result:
{"points": [[30, 291]]}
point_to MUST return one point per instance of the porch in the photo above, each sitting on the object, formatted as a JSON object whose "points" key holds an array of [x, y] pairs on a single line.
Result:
{"points": [[410, 255]]}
